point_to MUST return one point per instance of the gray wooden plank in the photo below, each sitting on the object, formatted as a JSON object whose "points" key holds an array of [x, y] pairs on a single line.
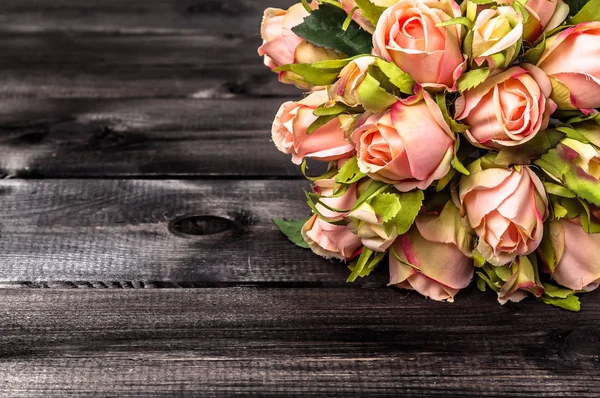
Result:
{"points": [[134, 16], [327, 342], [47, 138], [183, 232], [90, 65]]}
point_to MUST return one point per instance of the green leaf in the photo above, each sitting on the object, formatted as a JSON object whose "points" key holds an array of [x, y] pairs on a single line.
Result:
{"points": [[350, 172], [397, 77], [293, 231], [455, 126], [457, 21], [333, 110], [370, 10], [546, 250], [443, 183], [478, 259], [325, 27], [349, 19], [570, 303], [524, 154], [590, 224], [374, 188], [557, 292], [373, 97], [472, 79], [320, 122], [365, 264], [559, 164], [588, 13], [558, 190], [456, 163], [312, 74], [481, 285], [386, 205], [534, 54], [411, 203]]}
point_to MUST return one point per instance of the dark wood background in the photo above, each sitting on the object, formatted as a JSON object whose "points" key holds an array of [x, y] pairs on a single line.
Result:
{"points": [[137, 255]]}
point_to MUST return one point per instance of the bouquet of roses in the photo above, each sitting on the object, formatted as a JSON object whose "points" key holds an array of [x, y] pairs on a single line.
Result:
{"points": [[462, 140]]}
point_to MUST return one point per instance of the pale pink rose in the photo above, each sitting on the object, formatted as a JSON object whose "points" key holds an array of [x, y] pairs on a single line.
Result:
{"points": [[409, 146], [522, 280], [434, 256], [577, 255], [507, 209], [508, 109], [407, 35], [289, 132], [571, 61], [544, 15], [281, 46], [330, 240]]}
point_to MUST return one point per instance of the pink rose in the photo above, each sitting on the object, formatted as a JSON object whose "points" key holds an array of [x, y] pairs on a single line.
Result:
{"points": [[407, 35], [544, 15], [281, 46], [507, 209], [571, 61], [290, 135], [577, 255], [434, 256], [409, 146], [330, 240], [508, 109], [329, 204]]}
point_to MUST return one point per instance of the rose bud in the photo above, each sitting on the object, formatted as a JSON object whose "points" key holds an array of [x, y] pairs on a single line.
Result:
{"points": [[330, 240], [544, 15], [497, 36], [409, 146], [281, 46], [289, 132], [507, 209], [520, 280], [329, 204], [508, 109], [365, 223], [571, 61], [435, 256], [587, 157], [347, 89], [407, 35], [576, 255]]}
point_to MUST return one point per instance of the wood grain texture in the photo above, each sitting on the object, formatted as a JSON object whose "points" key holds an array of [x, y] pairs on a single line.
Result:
{"points": [[90, 65], [108, 49], [135, 16], [148, 231], [299, 341], [46, 138]]}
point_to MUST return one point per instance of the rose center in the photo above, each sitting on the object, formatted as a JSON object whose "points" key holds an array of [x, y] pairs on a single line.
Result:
{"points": [[376, 150]]}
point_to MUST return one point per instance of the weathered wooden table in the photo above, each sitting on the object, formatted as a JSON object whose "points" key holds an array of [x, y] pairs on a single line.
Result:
{"points": [[137, 253]]}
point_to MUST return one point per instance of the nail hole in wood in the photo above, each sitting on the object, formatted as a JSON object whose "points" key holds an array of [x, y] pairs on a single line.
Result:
{"points": [[200, 226]]}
